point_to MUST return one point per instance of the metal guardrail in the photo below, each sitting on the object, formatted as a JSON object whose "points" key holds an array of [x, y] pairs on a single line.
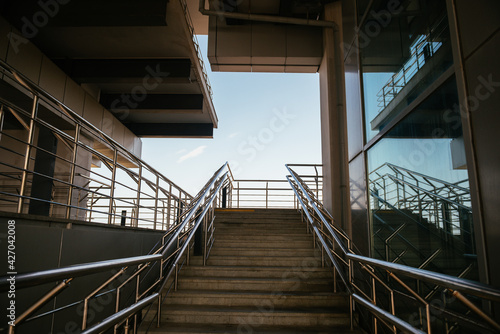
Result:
{"points": [[272, 194], [159, 268], [444, 205], [123, 190], [385, 289], [204, 74], [421, 51]]}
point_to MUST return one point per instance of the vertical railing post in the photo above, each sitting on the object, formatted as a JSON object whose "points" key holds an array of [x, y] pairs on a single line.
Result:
{"points": [[267, 194], [238, 194], [2, 117], [155, 215], [112, 189], [74, 158], [169, 206], [31, 137], [138, 197]]}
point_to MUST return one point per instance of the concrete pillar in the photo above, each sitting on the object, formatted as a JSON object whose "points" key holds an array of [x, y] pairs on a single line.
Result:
{"points": [[333, 121]]}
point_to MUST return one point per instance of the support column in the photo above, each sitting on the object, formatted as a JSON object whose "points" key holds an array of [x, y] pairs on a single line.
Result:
{"points": [[333, 121]]}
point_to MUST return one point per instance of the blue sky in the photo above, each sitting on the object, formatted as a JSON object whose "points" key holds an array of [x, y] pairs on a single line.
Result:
{"points": [[265, 121]]}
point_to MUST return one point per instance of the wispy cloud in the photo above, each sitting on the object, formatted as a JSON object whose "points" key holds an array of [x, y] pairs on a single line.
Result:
{"points": [[232, 135], [181, 151], [194, 153]]}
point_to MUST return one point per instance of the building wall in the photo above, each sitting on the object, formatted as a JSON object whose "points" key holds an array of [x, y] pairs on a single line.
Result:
{"points": [[476, 48], [43, 243]]}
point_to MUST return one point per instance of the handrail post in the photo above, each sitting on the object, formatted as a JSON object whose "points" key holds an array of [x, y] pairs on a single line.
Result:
{"points": [[27, 154], [155, 217], [112, 189], [138, 205], [74, 158], [169, 206], [267, 193]]}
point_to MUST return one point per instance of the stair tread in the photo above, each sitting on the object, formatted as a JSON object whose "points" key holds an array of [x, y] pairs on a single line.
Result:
{"points": [[285, 289], [329, 311], [206, 329], [257, 279], [253, 293]]}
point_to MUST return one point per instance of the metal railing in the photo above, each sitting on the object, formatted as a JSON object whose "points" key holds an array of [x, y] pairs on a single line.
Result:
{"points": [[422, 50], [144, 277], [204, 75], [102, 181], [273, 194], [445, 206], [387, 293]]}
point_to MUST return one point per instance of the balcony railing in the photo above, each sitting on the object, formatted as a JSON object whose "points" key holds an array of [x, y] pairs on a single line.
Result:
{"points": [[87, 174], [421, 51]]}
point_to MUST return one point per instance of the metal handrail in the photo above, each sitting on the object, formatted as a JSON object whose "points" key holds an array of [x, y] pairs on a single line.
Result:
{"points": [[176, 246], [197, 46], [407, 189], [399, 79], [450, 283], [83, 128]]}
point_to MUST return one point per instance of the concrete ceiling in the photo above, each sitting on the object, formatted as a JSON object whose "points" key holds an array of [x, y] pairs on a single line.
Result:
{"points": [[126, 47]]}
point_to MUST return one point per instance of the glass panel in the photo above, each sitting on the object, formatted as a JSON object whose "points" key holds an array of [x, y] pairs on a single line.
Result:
{"points": [[420, 205], [403, 50]]}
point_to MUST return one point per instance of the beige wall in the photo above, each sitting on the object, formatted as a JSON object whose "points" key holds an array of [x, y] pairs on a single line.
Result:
{"points": [[333, 123]]}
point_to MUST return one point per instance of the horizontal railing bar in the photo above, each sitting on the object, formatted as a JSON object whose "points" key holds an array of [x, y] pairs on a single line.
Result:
{"points": [[52, 275], [121, 315], [402, 325], [470, 287]]}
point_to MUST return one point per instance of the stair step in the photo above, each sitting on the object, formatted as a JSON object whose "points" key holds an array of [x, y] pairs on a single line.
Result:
{"points": [[290, 238], [232, 298], [254, 317], [240, 328], [261, 261], [263, 275], [262, 243], [260, 229], [291, 283], [311, 270], [247, 251]]}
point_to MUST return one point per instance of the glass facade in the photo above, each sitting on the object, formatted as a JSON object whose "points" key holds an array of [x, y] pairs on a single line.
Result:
{"points": [[404, 49], [418, 194]]}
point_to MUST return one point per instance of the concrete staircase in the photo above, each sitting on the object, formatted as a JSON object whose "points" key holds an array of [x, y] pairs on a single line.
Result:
{"points": [[263, 276]]}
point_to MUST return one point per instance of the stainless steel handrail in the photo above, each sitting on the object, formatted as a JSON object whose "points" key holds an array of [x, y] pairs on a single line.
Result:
{"points": [[408, 191], [450, 283], [46, 276], [408, 70], [168, 254], [82, 128]]}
